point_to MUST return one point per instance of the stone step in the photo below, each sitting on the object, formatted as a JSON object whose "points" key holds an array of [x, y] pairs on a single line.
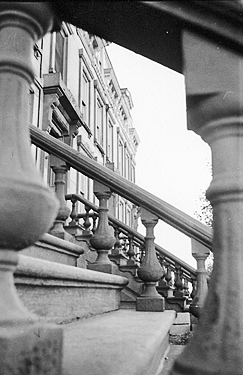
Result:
{"points": [[173, 352], [119, 343], [61, 293], [55, 249]]}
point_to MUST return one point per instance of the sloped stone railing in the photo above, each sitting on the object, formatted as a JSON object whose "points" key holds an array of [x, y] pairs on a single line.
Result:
{"points": [[175, 272], [167, 213], [128, 251]]}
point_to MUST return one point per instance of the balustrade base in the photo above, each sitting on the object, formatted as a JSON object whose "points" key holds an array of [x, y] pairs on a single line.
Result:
{"points": [[165, 291], [150, 304], [118, 259], [83, 237], [104, 267], [74, 230], [60, 234], [31, 349], [175, 303]]}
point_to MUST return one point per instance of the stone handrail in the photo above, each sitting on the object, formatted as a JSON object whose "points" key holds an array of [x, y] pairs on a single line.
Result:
{"points": [[166, 212], [138, 238]]}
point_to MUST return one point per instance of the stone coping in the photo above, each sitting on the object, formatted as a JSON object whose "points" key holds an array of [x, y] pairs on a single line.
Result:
{"points": [[122, 342], [60, 243], [39, 268]]}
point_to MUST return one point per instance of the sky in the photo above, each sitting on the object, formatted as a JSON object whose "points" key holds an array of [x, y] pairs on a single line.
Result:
{"points": [[171, 162]]}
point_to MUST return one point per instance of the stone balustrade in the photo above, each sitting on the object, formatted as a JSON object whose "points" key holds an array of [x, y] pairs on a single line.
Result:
{"points": [[128, 249]]}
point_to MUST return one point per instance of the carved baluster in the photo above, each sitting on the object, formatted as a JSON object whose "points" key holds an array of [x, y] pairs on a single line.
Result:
{"points": [[194, 288], [125, 245], [73, 214], [186, 288], [141, 252], [60, 168], [200, 253], [168, 276], [95, 217], [87, 223], [73, 228], [150, 271], [131, 252], [178, 282], [117, 246], [118, 254], [103, 240], [27, 206]]}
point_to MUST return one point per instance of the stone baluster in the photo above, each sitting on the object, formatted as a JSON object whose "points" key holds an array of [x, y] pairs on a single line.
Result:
{"points": [[87, 222], [168, 276], [27, 206], [60, 168], [103, 239], [141, 252], [125, 245], [214, 108], [150, 271], [118, 253], [117, 246], [131, 253], [194, 288], [73, 228], [178, 282], [95, 217], [73, 214], [200, 253], [186, 288]]}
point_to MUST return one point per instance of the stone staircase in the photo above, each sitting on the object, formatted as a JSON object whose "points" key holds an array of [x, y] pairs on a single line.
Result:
{"points": [[101, 334]]}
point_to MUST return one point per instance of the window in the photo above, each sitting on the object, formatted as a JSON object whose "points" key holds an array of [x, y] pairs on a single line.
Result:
{"points": [[85, 97], [33, 119], [133, 174], [120, 157], [128, 217], [127, 166], [110, 141], [59, 53], [99, 122], [121, 211]]}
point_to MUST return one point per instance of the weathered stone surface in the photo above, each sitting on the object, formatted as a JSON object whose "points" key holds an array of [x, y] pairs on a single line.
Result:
{"points": [[182, 318], [150, 304], [55, 249], [62, 293], [179, 329], [125, 342], [31, 349]]}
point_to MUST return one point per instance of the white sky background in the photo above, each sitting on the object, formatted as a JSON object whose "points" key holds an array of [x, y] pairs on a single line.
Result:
{"points": [[172, 162]]}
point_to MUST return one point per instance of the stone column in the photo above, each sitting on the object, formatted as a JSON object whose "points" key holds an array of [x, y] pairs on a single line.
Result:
{"points": [[103, 239], [150, 271], [27, 206], [215, 111], [60, 169], [200, 253]]}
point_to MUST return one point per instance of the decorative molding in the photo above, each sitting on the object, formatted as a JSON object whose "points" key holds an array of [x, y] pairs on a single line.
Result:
{"points": [[98, 145], [84, 146], [87, 66], [53, 84]]}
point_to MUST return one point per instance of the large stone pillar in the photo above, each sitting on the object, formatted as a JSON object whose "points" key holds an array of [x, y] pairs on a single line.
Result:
{"points": [[27, 206], [215, 111]]}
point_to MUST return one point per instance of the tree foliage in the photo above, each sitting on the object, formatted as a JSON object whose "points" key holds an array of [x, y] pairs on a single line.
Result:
{"points": [[205, 215]]}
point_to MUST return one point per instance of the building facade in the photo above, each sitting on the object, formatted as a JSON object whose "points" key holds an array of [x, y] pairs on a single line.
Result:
{"points": [[76, 97]]}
